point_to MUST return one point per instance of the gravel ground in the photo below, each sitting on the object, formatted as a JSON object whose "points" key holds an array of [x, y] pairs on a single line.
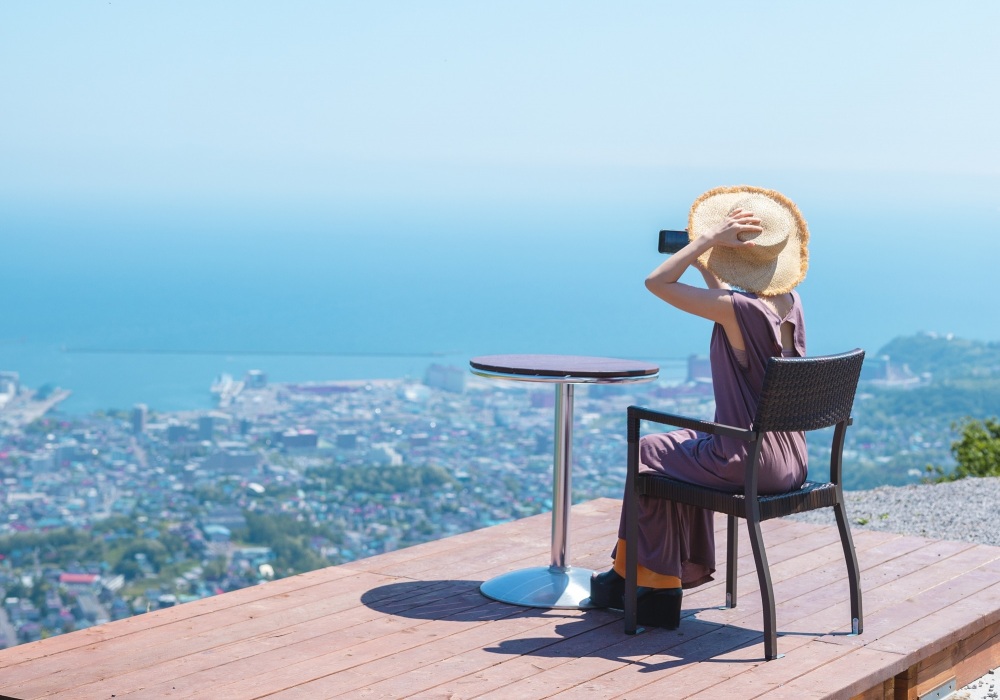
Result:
{"points": [[963, 510], [959, 510]]}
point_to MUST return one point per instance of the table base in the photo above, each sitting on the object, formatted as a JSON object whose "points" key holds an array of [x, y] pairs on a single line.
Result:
{"points": [[542, 587]]}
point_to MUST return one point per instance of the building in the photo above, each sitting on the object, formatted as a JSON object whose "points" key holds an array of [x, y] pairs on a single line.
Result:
{"points": [[79, 582], [882, 371], [302, 438], [206, 428], [384, 455], [233, 461], [177, 433], [347, 440], [255, 379], [699, 369], [139, 414], [446, 378], [10, 383]]}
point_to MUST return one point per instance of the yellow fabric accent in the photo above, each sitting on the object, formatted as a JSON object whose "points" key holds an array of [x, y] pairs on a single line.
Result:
{"points": [[647, 578]]}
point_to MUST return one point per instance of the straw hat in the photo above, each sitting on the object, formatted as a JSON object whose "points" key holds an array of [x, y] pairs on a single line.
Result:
{"points": [[780, 257]]}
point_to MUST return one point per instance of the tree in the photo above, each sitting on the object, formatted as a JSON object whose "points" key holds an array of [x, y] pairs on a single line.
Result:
{"points": [[977, 451], [214, 569]]}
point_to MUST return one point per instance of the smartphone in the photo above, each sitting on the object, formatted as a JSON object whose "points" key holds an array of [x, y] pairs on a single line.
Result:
{"points": [[672, 241]]}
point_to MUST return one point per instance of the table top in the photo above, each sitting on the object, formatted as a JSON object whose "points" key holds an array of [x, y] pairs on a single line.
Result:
{"points": [[565, 368]]}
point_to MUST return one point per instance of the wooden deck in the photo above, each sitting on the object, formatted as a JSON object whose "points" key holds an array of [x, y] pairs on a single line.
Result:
{"points": [[413, 624]]}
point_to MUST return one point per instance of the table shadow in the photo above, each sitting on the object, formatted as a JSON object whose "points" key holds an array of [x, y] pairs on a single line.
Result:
{"points": [[589, 633]]}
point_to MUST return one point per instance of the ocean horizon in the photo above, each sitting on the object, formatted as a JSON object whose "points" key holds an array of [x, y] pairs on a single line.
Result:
{"points": [[147, 305]]}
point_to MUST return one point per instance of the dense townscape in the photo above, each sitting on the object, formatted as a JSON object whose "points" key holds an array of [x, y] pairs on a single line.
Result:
{"points": [[117, 513]]}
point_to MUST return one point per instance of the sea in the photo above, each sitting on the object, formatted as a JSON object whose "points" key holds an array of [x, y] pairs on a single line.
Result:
{"points": [[151, 302]]}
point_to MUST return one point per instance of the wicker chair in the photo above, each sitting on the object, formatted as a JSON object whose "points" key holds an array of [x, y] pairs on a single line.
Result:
{"points": [[798, 394]]}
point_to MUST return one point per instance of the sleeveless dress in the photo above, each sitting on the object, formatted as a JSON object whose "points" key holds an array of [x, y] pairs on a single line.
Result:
{"points": [[677, 539]]}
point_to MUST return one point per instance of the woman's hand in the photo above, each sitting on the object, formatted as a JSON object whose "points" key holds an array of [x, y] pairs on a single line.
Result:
{"points": [[714, 303], [727, 233]]}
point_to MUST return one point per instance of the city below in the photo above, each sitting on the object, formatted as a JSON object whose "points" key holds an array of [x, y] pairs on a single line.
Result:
{"points": [[114, 514]]}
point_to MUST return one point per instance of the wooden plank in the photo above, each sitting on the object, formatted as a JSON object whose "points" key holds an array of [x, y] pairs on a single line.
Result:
{"points": [[935, 671], [883, 691], [163, 617], [977, 655], [548, 681], [695, 678], [409, 673], [964, 661], [807, 592], [910, 600], [289, 664], [895, 564], [253, 658], [609, 643], [815, 552], [581, 660], [821, 563], [352, 632], [141, 623], [634, 663], [905, 684], [881, 547], [887, 589], [132, 667], [861, 673], [964, 617], [185, 635], [768, 678], [785, 558]]}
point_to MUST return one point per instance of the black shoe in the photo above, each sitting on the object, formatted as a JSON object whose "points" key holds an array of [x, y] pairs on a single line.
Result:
{"points": [[660, 607], [607, 589], [657, 607]]}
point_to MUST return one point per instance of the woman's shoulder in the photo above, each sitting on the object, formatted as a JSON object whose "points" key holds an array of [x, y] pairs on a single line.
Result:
{"points": [[747, 300], [752, 310], [754, 300], [796, 302]]}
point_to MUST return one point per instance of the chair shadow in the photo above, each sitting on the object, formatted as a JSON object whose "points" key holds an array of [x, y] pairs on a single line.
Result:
{"points": [[461, 601]]}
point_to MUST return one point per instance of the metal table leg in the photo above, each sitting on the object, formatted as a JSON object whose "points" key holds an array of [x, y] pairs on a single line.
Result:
{"points": [[557, 585]]}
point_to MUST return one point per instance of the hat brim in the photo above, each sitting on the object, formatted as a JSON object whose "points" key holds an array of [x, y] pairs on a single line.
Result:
{"points": [[746, 268]]}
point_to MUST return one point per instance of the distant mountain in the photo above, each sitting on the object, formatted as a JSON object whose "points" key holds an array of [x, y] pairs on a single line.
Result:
{"points": [[964, 378], [945, 356], [903, 426]]}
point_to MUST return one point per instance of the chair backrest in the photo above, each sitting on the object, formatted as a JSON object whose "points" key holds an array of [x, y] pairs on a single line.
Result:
{"points": [[808, 393]]}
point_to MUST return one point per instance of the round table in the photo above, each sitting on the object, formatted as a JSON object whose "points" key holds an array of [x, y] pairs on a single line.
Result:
{"points": [[558, 585]]}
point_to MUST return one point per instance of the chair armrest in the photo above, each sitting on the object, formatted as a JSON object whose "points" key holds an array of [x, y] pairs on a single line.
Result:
{"points": [[638, 413]]}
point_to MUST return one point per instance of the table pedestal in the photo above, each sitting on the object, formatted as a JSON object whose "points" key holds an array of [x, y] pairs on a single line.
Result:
{"points": [[557, 585], [542, 587]]}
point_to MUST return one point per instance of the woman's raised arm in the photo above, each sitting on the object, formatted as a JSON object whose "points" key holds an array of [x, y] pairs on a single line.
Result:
{"points": [[714, 303]]}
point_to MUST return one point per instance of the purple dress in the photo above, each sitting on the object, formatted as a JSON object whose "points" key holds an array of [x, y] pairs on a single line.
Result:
{"points": [[677, 539]]}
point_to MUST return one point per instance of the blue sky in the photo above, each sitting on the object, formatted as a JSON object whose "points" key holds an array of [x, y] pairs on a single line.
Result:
{"points": [[446, 101], [286, 175]]}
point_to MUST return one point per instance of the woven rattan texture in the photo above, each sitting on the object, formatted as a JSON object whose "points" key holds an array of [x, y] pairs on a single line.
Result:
{"points": [[808, 393], [812, 495]]}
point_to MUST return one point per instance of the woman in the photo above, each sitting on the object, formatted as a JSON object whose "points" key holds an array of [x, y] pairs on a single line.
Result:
{"points": [[754, 240]]}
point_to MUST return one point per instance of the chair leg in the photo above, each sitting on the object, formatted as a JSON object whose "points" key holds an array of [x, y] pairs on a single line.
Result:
{"points": [[853, 571], [732, 554], [631, 601], [766, 591]]}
